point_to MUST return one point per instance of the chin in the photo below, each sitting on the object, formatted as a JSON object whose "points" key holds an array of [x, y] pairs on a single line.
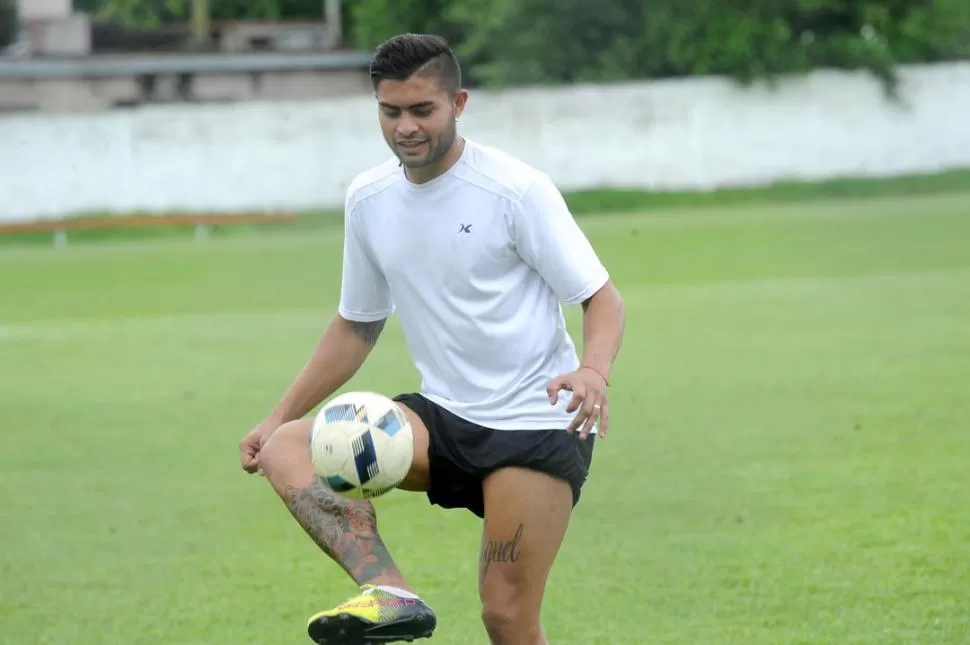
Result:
{"points": [[415, 163]]}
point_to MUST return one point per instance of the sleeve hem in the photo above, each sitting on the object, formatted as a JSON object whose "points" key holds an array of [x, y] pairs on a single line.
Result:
{"points": [[591, 287], [357, 316]]}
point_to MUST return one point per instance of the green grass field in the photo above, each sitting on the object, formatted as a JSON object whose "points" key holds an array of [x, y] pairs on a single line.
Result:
{"points": [[788, 460]]}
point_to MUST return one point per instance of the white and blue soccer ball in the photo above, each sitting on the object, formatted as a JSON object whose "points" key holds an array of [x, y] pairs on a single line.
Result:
{"points": [[361, 444]]}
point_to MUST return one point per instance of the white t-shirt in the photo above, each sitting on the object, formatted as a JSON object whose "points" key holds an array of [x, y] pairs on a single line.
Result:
{"points": [[476, 263]]}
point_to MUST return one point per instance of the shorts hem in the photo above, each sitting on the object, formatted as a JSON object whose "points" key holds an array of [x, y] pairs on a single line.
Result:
{"points": [[461, 454]]}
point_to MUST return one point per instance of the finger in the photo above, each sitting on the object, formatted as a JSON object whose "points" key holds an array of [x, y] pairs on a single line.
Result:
{"points": [[604, 418], [580, 417], [588, 425], [576, 400], [577, 421], [592, 409], [248, 458], [559, 384], [553, 391]]}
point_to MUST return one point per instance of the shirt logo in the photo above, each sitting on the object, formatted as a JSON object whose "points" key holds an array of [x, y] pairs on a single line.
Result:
{"points": [[464, 228]]}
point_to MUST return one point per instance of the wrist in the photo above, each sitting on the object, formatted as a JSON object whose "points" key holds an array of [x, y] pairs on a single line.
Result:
{"points": [[278, 416], [602, 373]]}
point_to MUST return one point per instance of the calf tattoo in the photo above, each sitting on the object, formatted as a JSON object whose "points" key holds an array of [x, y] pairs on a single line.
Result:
{"points": [[503, 551], [345, 529]]}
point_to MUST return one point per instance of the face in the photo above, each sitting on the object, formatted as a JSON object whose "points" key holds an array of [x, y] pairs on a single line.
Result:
{"points": [[418, 120]]}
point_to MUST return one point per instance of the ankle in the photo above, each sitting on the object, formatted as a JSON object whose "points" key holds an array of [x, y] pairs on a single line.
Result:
{"points": [[392, 584], [400, 591]]}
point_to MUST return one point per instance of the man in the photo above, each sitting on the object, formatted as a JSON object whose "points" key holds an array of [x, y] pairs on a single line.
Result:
{"points": [[475, 251]]}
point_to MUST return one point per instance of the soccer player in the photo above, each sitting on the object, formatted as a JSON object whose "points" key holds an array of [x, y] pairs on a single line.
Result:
{"points": [[477, 252]]}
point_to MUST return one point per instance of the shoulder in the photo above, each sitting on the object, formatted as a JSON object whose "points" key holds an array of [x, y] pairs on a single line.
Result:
{"points": [[499, 172], [371, 182]]}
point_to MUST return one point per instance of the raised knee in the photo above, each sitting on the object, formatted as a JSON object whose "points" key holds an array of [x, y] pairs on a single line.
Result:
{"points": [[508, 623], [286, 453]]}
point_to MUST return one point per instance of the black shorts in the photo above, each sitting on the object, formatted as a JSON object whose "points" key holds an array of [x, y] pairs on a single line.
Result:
{"points": [[461, 454]]}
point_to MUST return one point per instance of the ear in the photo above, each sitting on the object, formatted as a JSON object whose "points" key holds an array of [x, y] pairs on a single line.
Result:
{"points": [[461, 100]]}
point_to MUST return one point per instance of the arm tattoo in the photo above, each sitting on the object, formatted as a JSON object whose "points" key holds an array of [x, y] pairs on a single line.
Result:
{"points": [[506, 551], [345, 529], [369, 331]]}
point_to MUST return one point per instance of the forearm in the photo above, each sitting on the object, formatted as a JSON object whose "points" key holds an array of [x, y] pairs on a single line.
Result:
{"points": [[604, 319], [337, 357]]}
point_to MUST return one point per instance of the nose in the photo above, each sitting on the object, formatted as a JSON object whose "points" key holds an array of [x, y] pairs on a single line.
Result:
{"points": [[407, 127]]}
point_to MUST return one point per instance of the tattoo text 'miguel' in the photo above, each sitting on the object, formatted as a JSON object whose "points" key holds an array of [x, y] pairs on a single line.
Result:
{"points": [[503, 551]]}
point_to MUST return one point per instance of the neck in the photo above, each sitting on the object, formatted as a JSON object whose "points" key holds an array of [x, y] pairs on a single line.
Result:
{"points": [[438, 168]]}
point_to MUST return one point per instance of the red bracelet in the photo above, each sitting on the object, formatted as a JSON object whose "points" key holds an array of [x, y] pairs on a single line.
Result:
{"points": [[589, 367]]}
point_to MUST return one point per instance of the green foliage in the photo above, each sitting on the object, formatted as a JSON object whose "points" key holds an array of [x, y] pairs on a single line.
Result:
{"points": [[152, 14], [8, 22], [376, 20], [516, 42], [530, 42]]}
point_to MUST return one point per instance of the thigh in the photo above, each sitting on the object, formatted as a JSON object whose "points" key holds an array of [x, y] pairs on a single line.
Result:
{"points": [[286, 456], [526, 516], [451, 477], [418, 478]]}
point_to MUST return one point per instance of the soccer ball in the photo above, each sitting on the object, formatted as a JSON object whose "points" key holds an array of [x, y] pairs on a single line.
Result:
{"points": [[361, 444]]}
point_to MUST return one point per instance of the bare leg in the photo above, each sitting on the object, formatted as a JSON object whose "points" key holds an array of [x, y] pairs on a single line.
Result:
{"points": [[344, 529], [526, 516]]}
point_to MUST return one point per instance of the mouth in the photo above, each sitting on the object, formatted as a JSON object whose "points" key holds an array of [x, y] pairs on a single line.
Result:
{"points": [[410, 146]]}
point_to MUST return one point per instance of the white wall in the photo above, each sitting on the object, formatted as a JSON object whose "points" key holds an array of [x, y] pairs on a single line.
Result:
{"points": [[696, 133]]}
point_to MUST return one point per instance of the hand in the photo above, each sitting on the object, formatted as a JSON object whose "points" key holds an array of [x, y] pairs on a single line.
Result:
{"points": [[589, 397], [253, 442]]}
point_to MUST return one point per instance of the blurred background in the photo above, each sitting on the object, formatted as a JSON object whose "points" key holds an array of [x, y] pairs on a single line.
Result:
{"points": [[779, 188], [223, 105]]}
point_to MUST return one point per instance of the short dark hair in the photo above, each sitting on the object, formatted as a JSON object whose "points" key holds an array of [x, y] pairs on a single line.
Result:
{"points": [[400, 57]]}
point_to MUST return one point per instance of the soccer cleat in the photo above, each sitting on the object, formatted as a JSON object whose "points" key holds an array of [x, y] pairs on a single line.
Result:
{"points": [[375, 616]]}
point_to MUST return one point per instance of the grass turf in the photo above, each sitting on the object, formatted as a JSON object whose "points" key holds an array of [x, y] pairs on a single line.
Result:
{"points": [[583, 202], [787, 461]]}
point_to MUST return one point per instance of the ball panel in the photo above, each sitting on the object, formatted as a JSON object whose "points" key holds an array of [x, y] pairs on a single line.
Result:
{"points": [[340, 412], [339, 484], [391, 422], [362, 444], [365, 457]]}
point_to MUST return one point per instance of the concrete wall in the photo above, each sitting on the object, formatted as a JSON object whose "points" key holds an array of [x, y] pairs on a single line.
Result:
{"points": [[99, 94], [43, 9], [697, 133]]}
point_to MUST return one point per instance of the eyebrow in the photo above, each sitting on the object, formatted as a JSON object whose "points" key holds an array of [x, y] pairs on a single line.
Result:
{"points": [[413, 106]]}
